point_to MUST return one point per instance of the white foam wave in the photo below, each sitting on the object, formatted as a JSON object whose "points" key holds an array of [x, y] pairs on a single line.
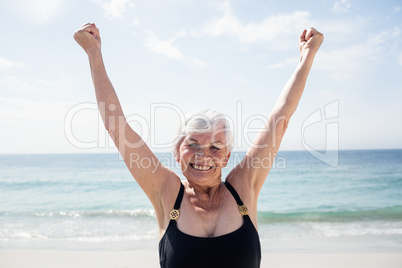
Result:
{"points": [[99, 213]]}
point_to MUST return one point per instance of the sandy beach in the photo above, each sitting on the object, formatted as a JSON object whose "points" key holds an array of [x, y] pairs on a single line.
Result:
{"points": [[149, 259]]}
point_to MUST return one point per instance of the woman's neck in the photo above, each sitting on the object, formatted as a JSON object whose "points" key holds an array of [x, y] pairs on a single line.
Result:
{"points": [[206, 198]]}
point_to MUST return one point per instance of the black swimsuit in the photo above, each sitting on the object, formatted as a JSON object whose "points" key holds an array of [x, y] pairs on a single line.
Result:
{"points": [[238, 249]]}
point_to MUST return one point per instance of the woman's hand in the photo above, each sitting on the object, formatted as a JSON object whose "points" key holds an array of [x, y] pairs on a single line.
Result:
{"points": [[87, 36], [310, 40]]}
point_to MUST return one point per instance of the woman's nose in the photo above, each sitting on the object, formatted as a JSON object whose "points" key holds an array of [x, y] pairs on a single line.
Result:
{"points": [[204, 151]]}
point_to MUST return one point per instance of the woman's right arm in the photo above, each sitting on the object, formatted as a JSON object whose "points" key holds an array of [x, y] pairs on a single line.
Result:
{"points": [[147, 170]]}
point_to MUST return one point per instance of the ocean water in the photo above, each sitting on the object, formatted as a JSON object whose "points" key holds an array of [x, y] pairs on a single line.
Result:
{"points": [[90, 201]]}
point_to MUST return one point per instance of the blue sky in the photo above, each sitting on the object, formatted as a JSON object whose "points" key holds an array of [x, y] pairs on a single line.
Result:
{"points": [[171, 57]]}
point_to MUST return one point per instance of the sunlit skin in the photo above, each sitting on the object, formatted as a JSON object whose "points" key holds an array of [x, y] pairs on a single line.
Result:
{"points": [[202, 157], [207, 208]]}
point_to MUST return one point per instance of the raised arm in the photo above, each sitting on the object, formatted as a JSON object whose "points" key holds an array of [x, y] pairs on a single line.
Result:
{"points": [[142, 163], [259, 158]]}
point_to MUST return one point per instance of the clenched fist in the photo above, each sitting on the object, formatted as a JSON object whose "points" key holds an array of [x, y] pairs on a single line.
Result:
{"points": [[311, 40], [87, 36]]}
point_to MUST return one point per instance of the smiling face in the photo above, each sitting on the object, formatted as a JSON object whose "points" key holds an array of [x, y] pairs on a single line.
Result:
{"points": [[202, 156]]}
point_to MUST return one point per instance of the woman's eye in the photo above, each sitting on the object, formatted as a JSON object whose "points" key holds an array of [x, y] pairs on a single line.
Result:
{"points": [[215, 148]]}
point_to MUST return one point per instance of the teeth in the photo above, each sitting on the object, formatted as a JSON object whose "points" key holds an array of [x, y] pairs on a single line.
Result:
{"points": [[201, 167]]}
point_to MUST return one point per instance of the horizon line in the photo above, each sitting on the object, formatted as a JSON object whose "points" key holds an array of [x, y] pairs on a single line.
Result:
{"points": [[162, 152]]}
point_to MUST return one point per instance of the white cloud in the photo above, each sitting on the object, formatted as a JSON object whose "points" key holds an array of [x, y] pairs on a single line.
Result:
{"points": [[379, 39], [341, 31], [23, 109], [400, 58], [395, 32], [40, 11], [45, 121], [6, 64], [356, 61], [342, 6], [241, 80], [195, 33], [273, 28], [170, 50], [276, 66], [396, 9], [166, 48], [287, 62], [198, 63], [345, 63], [178, 35], [136, 21], [21, 84], [116, 8]]}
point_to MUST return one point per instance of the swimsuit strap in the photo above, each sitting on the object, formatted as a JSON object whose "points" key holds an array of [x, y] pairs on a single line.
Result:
{"points": [[179, 197], [175, 212], [234, 193], [242, 208]]}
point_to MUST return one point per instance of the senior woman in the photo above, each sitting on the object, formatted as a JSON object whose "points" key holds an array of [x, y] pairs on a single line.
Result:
{"points": [[203, 222]]}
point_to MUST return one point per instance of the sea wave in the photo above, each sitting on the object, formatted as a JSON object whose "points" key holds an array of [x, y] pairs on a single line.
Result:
{"points": [[136, 213], [393, 213]]}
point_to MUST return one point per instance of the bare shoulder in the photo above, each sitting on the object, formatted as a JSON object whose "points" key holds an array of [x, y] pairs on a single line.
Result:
{"points": [[170, 190], [239, 179]]}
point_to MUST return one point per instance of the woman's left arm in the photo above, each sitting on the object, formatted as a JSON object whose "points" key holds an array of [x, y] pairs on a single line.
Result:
{"points": [[259, 158]]}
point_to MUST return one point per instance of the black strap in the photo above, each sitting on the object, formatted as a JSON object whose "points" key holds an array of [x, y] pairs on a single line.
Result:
{"points": [[234, 193], [179, 197], [227, 184]]}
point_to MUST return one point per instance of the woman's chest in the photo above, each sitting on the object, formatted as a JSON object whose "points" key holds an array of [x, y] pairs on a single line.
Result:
{"points": [[202, 221]]}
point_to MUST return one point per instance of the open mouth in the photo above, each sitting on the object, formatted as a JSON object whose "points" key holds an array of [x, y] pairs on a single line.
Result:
{"points": [[200, 168]]}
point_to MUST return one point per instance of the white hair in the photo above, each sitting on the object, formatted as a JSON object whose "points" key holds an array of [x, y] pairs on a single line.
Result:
{"points": [[203, 121]]}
